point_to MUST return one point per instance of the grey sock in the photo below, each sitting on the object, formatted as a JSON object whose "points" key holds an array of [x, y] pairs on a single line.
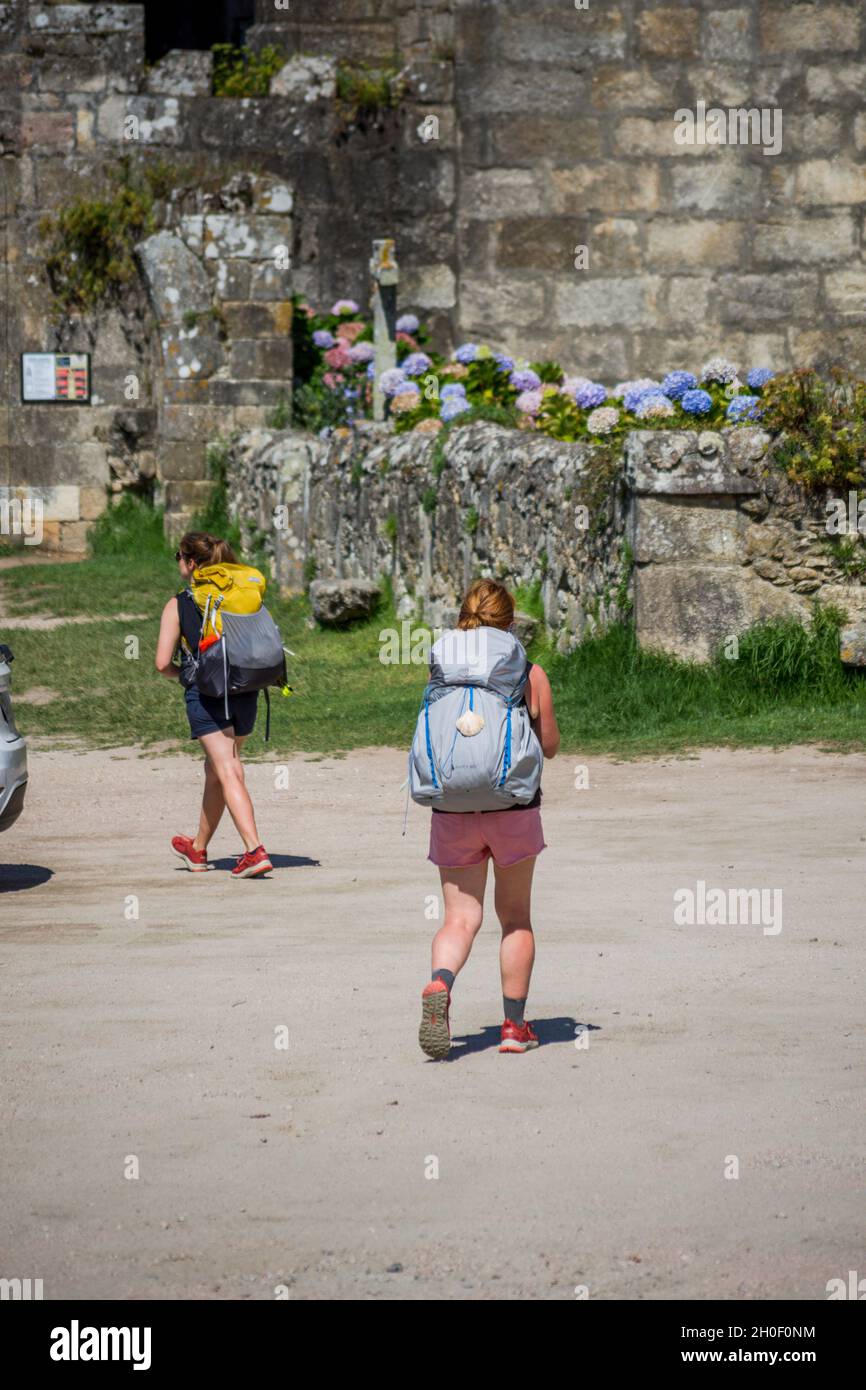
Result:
{"points": [[514, 1010], [446, 976]]}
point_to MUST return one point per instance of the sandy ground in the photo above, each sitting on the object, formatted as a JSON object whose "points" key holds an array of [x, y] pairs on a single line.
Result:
{"points": [[313, 1167]]}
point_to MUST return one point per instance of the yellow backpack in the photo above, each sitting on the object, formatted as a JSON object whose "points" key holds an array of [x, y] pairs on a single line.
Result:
{"points": [[224, 588]]}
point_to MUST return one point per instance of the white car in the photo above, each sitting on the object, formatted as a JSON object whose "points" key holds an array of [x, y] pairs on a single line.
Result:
{"points": [[13, 750]]}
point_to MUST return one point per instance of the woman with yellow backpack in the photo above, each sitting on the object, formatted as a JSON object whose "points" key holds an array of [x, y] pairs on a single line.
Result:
{"points": [[229, 650]]}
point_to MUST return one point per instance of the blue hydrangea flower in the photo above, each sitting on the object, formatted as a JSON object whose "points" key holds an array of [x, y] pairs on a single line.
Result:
{"points": [[467, 352], [525, 380], [758, 377], [323, 339], [407, 323], [454, 388], [416, 364], [696, 402], [654, 405], [633, 397], [676, 384], [371, 370], [505, 364], [392, 381], [453, 406], [591, 395], [744, 408]]}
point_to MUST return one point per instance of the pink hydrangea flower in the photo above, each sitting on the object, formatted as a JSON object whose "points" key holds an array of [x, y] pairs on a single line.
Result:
{"points": [[338, 357], [348, 332]]}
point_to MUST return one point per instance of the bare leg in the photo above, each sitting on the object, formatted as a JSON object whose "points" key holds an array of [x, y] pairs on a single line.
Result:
{"points": [[213, 803], [517, 951], [463, 894], [222, 751]]}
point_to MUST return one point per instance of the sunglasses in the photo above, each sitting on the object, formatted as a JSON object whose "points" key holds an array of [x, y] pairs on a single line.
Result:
{"points": [[179, 555]]}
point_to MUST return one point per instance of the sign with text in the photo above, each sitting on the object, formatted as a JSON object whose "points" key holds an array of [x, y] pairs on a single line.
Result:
{"points": [[55, 376]]}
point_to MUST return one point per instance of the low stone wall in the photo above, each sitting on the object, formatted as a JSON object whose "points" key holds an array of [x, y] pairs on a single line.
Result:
{"points": [[698, 530], [505, 504]]}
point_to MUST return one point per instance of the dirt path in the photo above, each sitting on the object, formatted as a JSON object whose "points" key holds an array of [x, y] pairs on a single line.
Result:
{"points": [[312, 1166]]}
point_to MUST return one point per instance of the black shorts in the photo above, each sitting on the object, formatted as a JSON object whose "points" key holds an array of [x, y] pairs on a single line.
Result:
{"points": [[207, 714]]}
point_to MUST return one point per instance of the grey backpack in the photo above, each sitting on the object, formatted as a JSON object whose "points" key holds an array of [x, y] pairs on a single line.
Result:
{"points": [[474, 747]]}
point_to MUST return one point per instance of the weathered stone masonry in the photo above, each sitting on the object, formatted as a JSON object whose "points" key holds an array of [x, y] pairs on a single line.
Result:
{"points": [[555, 129], [718, 539]]}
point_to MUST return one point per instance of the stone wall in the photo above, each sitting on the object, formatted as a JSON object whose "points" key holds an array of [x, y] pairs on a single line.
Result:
{"points": [[553, 130], [504, 505], [560, 134], [199, 343], [698, 530]]}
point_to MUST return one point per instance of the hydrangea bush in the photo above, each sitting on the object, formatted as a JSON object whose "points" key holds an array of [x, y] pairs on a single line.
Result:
{"points": [[821, 427]]}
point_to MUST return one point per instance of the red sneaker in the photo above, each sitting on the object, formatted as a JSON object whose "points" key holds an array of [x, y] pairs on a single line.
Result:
{"points": [[195, 859], [252, 863], [517, 1039], [434, 1035]]}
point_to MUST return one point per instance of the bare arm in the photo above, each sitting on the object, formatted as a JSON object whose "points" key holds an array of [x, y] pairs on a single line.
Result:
{"points": [[539, 698], [169, 636]]}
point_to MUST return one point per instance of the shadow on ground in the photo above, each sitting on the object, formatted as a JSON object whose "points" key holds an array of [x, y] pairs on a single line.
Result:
{"points": [[14, 878], [549, 1030], [279, 861]]}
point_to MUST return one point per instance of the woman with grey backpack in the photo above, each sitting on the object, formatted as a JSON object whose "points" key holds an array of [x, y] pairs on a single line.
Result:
{"points": [[485, 726]]}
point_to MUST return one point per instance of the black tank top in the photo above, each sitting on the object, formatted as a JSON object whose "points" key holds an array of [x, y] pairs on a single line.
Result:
{"points": [[190, 630]]}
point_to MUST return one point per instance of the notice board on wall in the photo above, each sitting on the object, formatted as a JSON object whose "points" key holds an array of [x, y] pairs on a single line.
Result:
{"points": [[55, 377]]}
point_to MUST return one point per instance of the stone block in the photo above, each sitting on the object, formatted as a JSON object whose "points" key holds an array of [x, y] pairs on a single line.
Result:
{"points": [[73, 537], [668, 32], [603, 302], [269, 319], [251, 359], [836, 82], [428, 286], [821, 183], [305, 79], [255, 237], [807, 240], [674, 244], [184, 462], [536, 243], [87, 19], [484, 303], [754, 301], [619, 88], [728, 184], [493, 193], [93, 502], [48, 132], [683, 463], [186, 496], [551, 35], [605, 187], [845, 292], [688, 529], [177, 282], [193, 352], [689, 610], [727, 34], [267, 282], [810, 28], [518, 141], [643, 136], [181, 73], [224, 392], [337, 602]]}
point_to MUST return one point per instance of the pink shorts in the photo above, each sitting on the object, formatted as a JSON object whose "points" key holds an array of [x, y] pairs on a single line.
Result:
{"points": [[461, 838]]}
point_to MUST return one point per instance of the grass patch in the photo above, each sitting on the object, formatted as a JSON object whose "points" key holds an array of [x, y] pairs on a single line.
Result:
{"points": [[786, 687]]}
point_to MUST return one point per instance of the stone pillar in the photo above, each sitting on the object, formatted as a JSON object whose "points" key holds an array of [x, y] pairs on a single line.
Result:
{"points": [[383, 268]]}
